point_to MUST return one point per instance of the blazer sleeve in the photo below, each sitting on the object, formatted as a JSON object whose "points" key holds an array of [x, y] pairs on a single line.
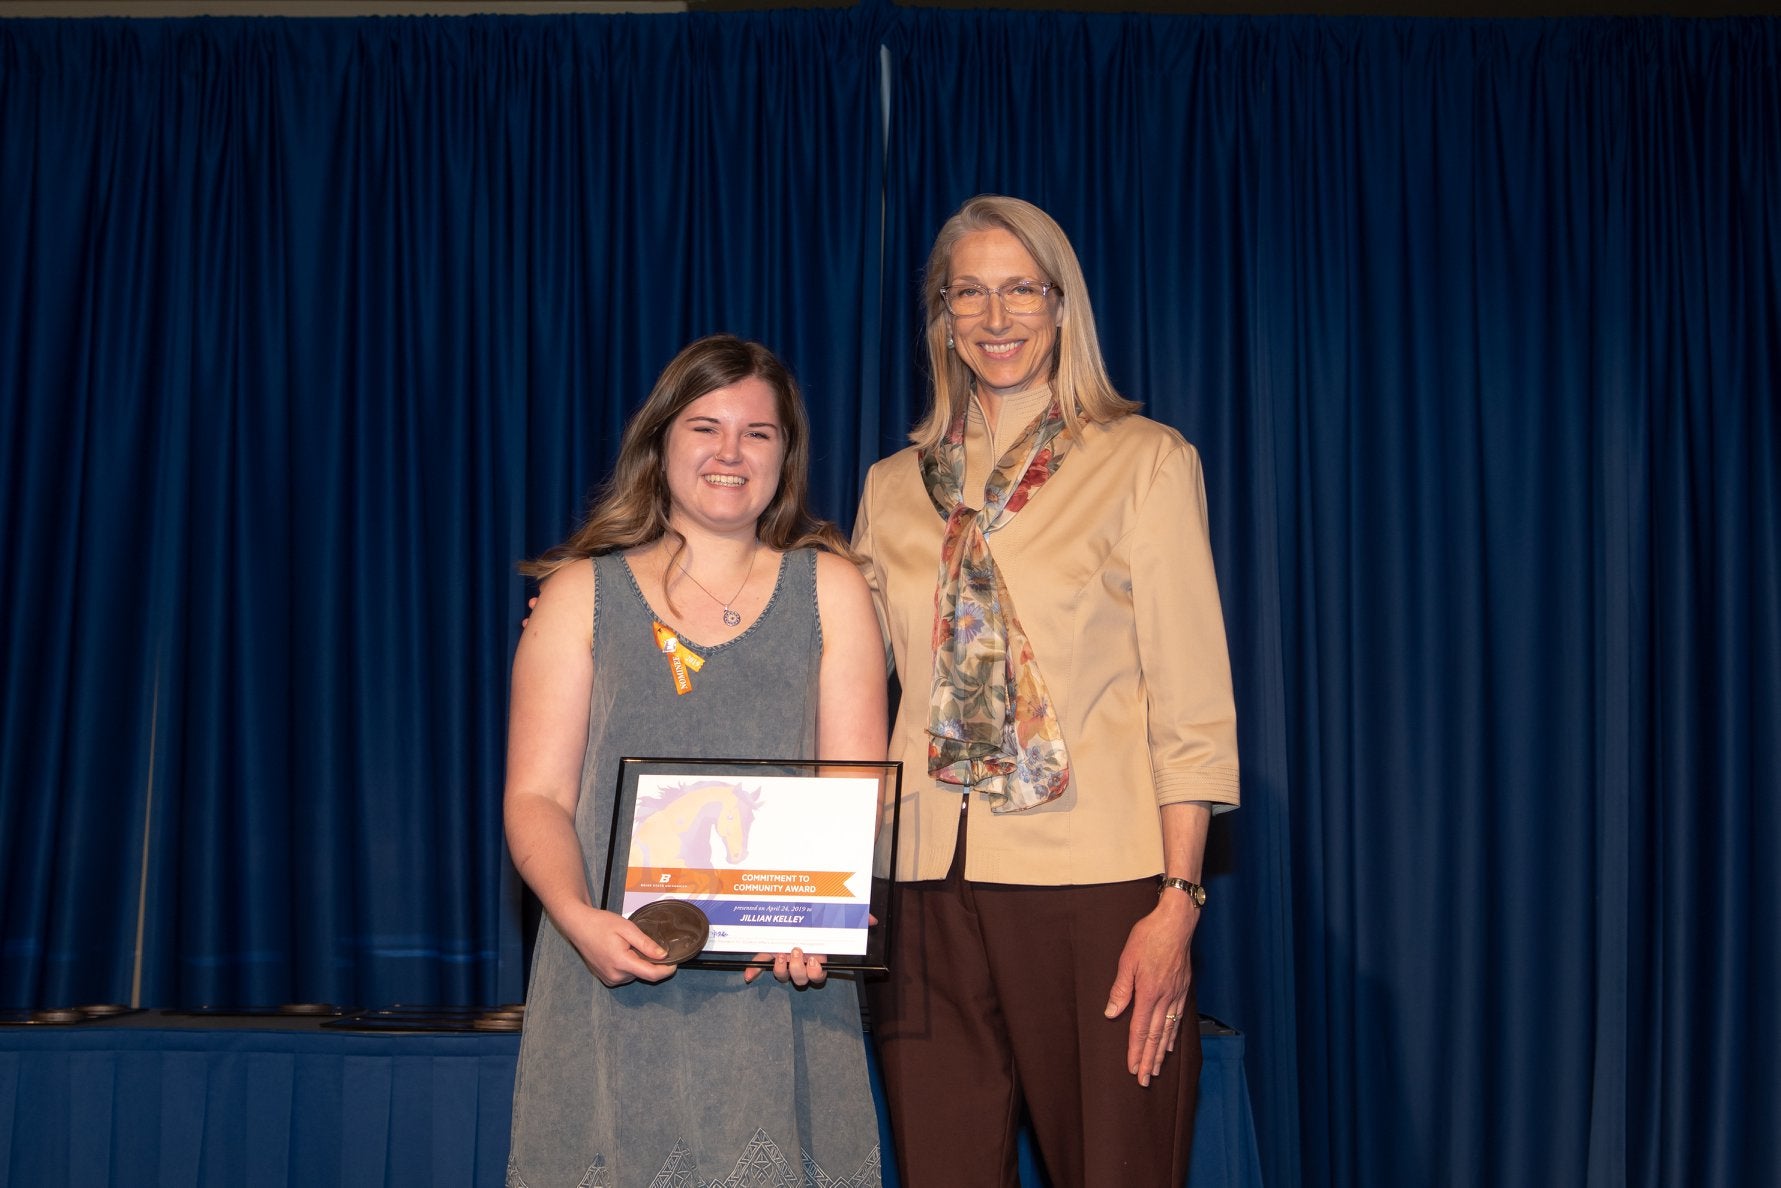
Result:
{"points": [[1183, 656], [862, 544]]}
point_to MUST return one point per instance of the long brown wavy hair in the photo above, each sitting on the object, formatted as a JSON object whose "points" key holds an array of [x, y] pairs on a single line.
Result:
{"points": [[633, 504]]}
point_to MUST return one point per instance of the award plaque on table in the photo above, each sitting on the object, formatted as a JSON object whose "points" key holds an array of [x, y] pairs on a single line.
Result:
{"points": [[721, 860]]}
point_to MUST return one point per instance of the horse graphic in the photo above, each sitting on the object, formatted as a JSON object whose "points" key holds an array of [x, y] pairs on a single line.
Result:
{"points": [[675, 829]]}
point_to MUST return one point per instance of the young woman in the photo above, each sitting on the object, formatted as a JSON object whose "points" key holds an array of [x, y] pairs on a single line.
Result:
{"points": [[633, 1072]]}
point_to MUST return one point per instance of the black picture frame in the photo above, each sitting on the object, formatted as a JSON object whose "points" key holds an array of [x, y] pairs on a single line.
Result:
{"points": [[716, 955]]}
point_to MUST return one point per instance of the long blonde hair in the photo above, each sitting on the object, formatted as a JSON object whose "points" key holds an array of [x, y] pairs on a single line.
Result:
{"points": [[1078, 373], [633, 505]]}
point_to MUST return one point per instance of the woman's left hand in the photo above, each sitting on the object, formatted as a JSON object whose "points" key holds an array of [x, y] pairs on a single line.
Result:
{"points": [[1155, 971], [799, 968]]}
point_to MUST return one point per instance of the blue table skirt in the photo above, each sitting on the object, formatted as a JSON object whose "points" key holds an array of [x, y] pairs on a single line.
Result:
{"points": [[159, 1099]]}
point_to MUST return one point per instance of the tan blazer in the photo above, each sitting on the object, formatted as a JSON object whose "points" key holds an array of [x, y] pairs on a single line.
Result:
{"points": [[1109, 567]]}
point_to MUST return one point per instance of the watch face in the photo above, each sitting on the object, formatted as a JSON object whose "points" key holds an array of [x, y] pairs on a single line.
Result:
{"points": [[1199, 895]]}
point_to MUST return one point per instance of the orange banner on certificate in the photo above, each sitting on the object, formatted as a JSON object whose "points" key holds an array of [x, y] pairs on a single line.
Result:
{"points": [[683, 881]]}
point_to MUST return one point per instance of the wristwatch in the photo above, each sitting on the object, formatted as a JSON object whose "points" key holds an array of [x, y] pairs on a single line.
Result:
{"points": [[1194, 891]]}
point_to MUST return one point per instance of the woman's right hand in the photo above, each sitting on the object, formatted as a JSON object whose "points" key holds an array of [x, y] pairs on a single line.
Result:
{"points": [[615, 950]]}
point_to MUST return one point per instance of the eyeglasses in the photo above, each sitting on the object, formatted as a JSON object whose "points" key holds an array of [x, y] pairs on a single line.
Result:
{"points": [[1018, 297]]}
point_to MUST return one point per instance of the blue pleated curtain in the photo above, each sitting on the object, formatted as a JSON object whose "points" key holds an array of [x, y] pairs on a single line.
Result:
{"points": [[1476, 325], [309, 329]]}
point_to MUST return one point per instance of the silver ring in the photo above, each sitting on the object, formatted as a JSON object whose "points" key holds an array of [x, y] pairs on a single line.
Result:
{"points": [[1173, 1018]]}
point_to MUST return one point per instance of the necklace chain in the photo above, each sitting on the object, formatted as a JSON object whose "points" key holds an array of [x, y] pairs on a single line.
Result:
{"points": [[731, 618]]}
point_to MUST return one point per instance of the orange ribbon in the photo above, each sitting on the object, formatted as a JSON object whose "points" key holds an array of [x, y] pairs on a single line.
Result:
{"points": [[682, 660]]}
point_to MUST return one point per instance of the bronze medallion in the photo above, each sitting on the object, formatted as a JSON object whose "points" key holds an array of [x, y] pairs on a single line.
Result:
{"points": [[676, 925]]}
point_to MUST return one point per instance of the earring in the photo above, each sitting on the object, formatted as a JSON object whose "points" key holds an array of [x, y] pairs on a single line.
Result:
{"points": [[949, 340]]}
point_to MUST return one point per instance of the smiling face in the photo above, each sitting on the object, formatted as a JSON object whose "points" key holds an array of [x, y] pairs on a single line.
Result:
{"points": [[1008, 353], [722, 457]]}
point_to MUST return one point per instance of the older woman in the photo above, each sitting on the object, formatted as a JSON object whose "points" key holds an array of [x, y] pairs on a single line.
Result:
{"points": [[628, 1075], [1042, 569]]}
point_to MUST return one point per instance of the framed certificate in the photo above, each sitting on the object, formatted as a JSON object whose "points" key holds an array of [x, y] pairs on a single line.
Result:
{"points": [[724, 860]]}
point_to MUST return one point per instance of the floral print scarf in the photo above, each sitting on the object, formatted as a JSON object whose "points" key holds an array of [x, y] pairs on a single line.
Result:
{"points": [[990, 717]]}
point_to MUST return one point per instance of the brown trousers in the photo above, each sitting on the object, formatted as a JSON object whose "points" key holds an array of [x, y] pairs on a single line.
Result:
{"points": [[994, 1004]]}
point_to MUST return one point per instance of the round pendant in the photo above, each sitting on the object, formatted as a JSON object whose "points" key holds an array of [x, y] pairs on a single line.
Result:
{"points": [[731, 618]]}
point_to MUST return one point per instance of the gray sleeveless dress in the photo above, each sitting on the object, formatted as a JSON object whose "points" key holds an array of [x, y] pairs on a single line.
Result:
{"points": [[700, 1079]]}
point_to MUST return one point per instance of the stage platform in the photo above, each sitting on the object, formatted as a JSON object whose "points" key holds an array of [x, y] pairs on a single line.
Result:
{"points": [[394, 1099]]}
